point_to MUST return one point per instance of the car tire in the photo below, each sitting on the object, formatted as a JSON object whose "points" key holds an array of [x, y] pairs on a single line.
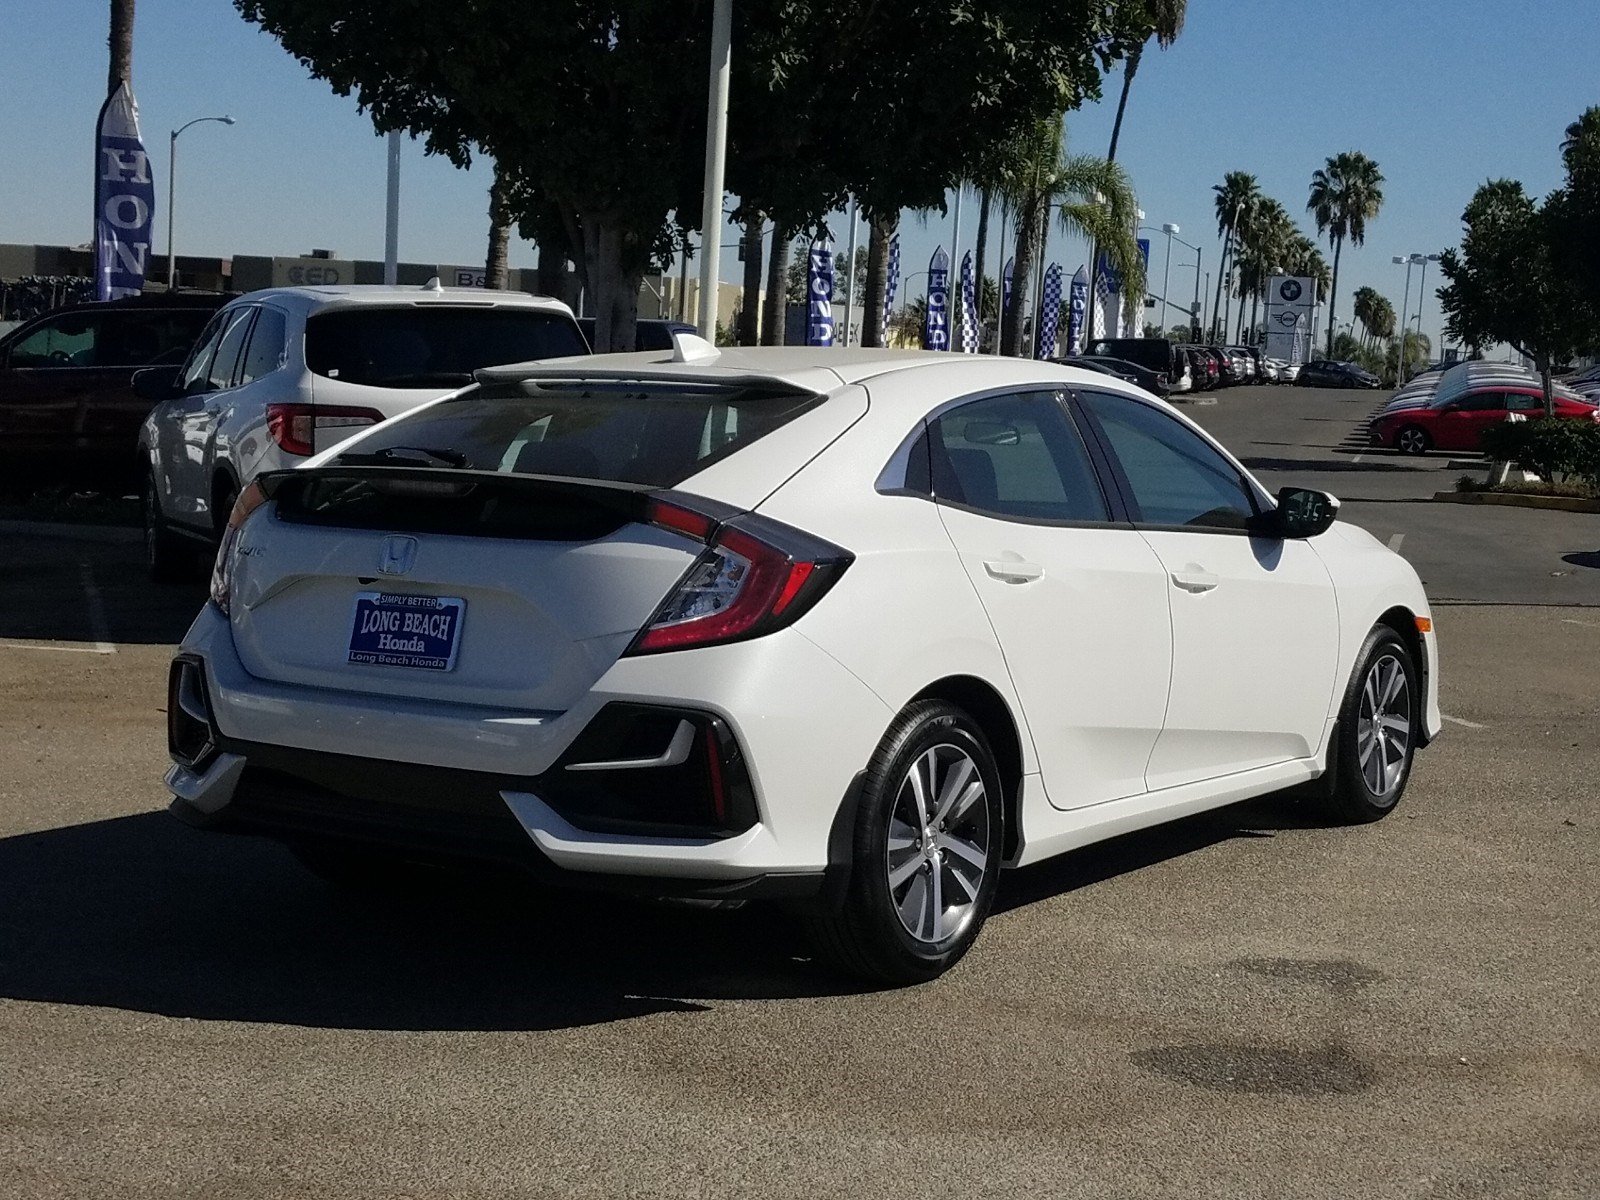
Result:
{"points": [[168, 558], [1413, 439], [918, 890], [1379, 722]]}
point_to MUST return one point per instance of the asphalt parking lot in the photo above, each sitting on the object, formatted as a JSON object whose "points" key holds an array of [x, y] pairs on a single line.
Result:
{"points": [[1245, 1004]]}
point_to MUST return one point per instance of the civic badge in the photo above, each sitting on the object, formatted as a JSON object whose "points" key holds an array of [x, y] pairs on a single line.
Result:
{"points": [[399, 553]]}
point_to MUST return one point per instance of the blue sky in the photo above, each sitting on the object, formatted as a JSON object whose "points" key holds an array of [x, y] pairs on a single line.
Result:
{"points": [[1443, 94]]}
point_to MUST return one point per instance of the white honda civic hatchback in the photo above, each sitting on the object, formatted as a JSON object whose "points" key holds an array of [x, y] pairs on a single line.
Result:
{"points": [[852, 629]]}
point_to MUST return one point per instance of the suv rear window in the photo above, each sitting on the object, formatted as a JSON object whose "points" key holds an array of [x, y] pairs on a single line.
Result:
{"points": [[432, 346], [643, 434]]}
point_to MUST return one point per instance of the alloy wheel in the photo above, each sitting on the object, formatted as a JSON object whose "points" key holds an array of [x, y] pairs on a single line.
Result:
{"points": [[1413, 441], [1383, 727], [938, 847]]}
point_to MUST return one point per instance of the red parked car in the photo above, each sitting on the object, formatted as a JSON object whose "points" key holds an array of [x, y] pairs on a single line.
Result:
{"points": [[1457, 423]]}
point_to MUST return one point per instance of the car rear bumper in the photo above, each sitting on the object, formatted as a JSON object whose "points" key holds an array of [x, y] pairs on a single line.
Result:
{"points": [[436, 781]]}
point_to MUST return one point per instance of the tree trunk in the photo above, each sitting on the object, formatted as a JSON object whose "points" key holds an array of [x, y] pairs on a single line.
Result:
{"points": [[1255, 311], [121, 44], [1240, 334], [615, 287], [774, 317], [496, 274], [1218, 312], [981, 248], [1543, 363], [1128, 72], [1021, 274], [872, 324], [1333, 292], [749, 332]]}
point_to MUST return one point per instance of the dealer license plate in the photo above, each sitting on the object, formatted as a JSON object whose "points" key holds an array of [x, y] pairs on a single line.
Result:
{"points": [[393, 629]]}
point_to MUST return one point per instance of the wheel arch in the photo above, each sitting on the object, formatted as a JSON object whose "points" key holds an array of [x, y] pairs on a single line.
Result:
{"points": [[985, 705], [1403, 621]]}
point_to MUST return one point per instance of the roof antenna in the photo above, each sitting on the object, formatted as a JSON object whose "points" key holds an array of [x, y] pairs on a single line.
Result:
{"points": [[691, 348], [433, 285]]}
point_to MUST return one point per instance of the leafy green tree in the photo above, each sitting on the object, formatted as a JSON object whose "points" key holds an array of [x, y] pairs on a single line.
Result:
{"points": [[1575, 210], [1092, 198], [1345, 195], [1507, 283], [1235, 200]]}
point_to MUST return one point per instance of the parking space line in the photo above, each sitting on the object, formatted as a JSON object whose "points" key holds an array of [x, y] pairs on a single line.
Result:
{"points": [[1394, 542], [97, 648], [1585, 624], [97, 612], [1462, 721]]}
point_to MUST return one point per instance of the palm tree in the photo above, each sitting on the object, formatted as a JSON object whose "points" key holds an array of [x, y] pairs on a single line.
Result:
{"points": [[1094, 199], [1162, 20], [1236, 198], [1302, 258], [121, 44], [751, 241], [1584, 131], [1345, 195], [1364, 304], [1263, 245], [496, 272]]}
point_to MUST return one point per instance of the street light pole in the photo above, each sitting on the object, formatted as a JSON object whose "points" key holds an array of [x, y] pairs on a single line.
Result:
{"points": [[1422, 290], [391, 214], [1405, 300], [1166, 271], [716, 161], [172, 195]]}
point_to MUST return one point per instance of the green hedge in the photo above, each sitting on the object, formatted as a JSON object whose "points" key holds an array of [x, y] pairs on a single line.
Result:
{"points": [[1559, 449]]}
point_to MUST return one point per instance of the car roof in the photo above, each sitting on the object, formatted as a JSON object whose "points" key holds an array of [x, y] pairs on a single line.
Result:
{"points": [[308, 300], [817, 370]]}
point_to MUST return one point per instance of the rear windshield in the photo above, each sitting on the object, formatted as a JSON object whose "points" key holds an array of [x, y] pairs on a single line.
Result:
{"points": [[628, 434], [433, 345]]}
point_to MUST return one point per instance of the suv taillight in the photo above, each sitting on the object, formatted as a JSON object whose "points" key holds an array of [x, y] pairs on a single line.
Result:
{"points": [[294, 426], [755, 576]]}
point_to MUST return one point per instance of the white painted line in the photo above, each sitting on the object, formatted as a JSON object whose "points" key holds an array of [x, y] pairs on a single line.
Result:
{"points": [[97, 612], [1585, 624], [1394, 542], [7, 644], [1461, 721], [1358, 458]]}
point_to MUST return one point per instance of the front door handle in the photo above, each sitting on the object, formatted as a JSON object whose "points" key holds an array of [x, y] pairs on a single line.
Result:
{"points": [[1011, 570], [1194, 579]]}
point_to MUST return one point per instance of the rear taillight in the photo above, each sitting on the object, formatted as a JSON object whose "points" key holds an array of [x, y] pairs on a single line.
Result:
{"points": [[249, 500], [294, 426], [754, 577]]}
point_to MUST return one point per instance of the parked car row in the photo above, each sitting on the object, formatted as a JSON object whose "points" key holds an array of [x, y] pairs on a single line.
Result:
{"points": [[1188, 367], [1449, 410], [1326, 373]]}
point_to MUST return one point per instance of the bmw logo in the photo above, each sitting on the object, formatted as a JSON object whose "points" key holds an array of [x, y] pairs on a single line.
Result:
{"points": [[1289, 289]]}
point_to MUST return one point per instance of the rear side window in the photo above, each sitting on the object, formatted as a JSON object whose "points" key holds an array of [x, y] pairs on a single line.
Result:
{"points": [[264, 355], [644, 435], [1014, 456], [432, 345]]}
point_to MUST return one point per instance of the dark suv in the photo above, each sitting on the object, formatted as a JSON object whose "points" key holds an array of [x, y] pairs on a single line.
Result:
{"points": [[68, 412]]}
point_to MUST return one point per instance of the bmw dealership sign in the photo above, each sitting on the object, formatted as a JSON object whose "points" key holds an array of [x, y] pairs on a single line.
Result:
{"points": [[1290, 301]]}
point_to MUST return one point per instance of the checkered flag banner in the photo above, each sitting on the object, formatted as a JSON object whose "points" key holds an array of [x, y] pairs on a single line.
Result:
{"points": [[1102, 295], [969, 306], [891, 285], [1050, 315]]}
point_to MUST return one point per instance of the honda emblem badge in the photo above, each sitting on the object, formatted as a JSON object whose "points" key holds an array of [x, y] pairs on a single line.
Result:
{"points": [[398, 555]]}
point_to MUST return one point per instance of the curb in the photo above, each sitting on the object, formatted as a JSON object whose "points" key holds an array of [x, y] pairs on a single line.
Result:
{"points": [[1517, 500], [113, 535], [1193, 402]]}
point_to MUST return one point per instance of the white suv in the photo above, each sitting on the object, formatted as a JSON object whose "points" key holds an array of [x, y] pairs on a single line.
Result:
{"points": [[282, 373]]}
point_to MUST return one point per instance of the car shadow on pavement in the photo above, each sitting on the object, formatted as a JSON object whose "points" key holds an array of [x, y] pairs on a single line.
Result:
{"points": [[58, 590], [143, 913], [1262, 817], [1323, 465], [1583, 558]]}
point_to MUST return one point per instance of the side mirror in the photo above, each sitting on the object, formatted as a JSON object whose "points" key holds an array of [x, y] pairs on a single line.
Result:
{"points": [[1302, 513], [155, 383]]}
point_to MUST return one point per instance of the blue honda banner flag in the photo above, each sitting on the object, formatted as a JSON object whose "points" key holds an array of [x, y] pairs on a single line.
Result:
{"points": [[1005, 284], [969, 306], [1077, 309], [936, 324], [819, 291], [891, 285], [1044, 346], [124, 199]]}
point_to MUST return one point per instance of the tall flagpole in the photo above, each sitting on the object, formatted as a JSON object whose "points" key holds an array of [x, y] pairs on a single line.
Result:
{"points": [[391, 215], [716, 160], [850, 275]]}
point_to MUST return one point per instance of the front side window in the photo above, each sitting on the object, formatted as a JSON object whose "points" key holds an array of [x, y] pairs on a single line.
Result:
{"points": [[433, 345], [140, 337], [1522, 402], [1014, 456], [1176, 477], [68, 340], [192, 378]]}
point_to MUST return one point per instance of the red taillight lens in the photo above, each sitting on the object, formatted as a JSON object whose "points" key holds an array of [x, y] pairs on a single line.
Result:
{"points": [[249, 500], [294, 426], [744, 585]]}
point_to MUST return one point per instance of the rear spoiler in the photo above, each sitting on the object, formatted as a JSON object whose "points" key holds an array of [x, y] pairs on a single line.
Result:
{"points": [[571, 374]]}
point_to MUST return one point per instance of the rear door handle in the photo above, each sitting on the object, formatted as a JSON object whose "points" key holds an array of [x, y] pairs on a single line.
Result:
{"points": [[1013, 570], [1193, 579]]}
